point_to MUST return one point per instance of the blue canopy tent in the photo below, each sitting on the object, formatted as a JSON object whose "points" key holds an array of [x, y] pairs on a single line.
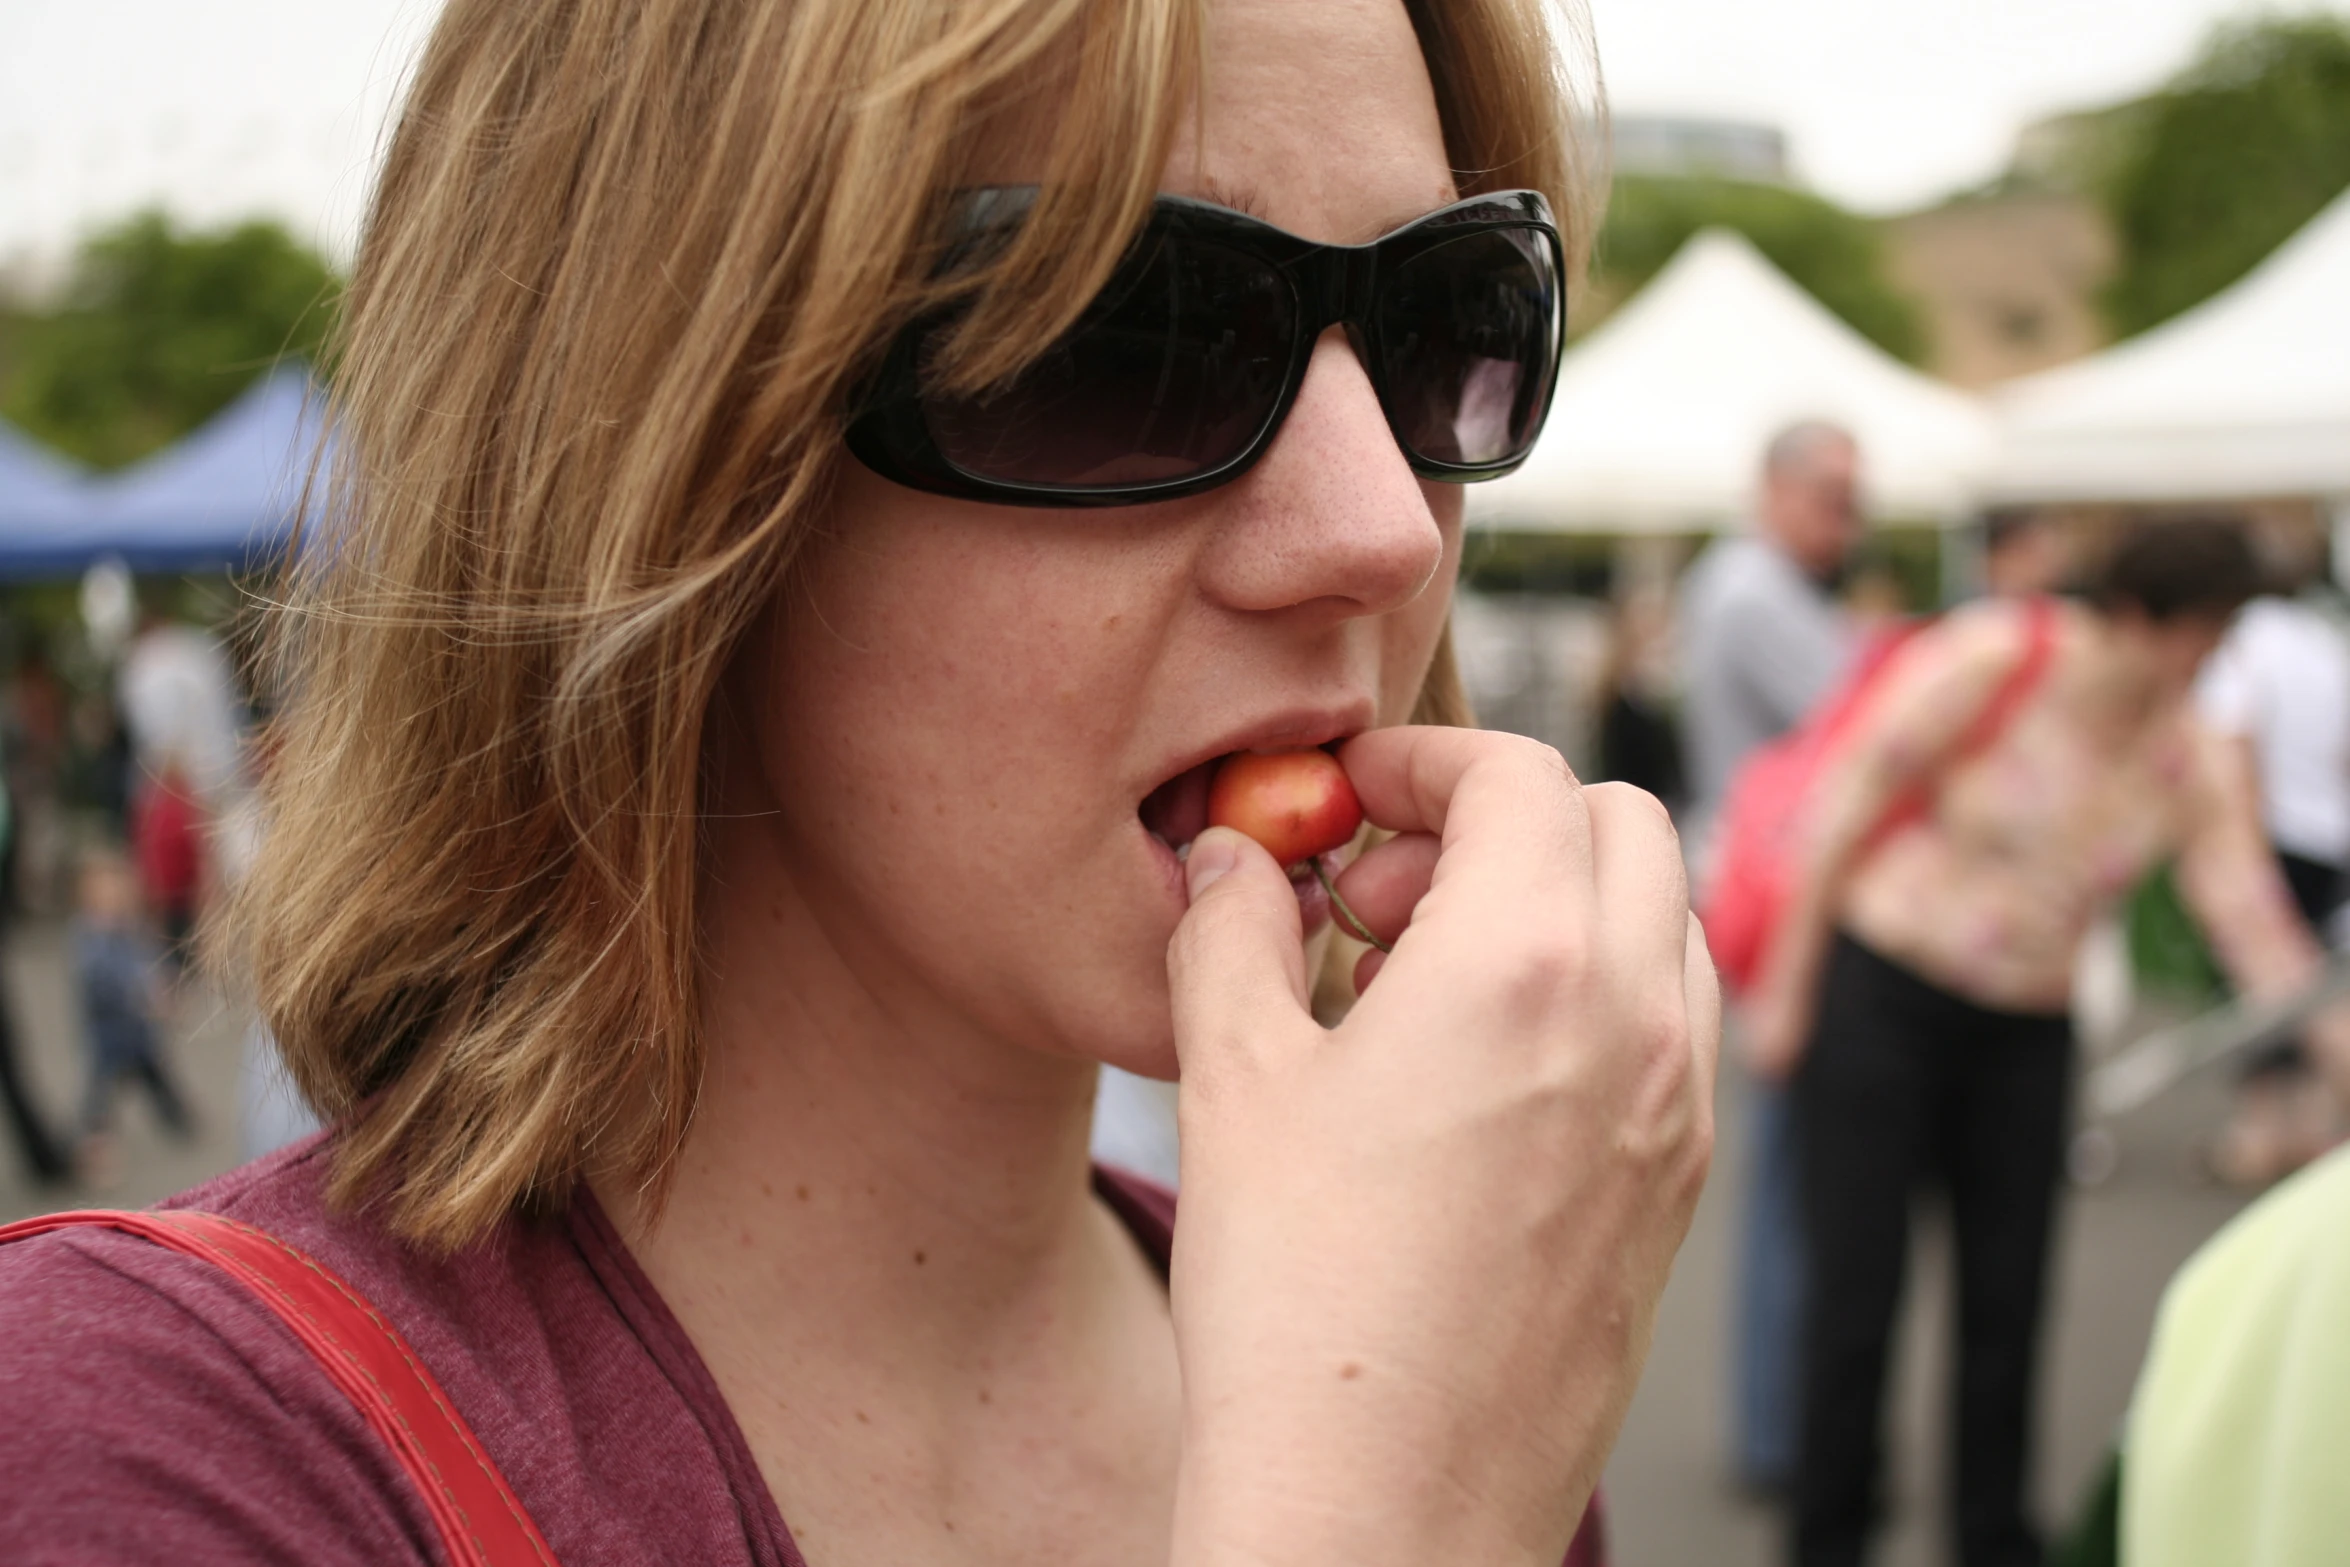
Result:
{"points": [[41, 493], [225, 496]]}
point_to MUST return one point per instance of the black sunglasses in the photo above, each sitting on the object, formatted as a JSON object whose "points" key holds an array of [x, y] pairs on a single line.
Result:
{"points": [[1178, 375]]}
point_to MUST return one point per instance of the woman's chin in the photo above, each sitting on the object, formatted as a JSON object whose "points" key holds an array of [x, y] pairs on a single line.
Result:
{"points": [[1108, 1000], [1115, 971], [1155, 1060]]}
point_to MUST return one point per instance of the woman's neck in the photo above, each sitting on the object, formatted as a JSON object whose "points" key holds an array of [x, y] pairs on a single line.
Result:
{"points": [[2121, 692], [850, 1133], [881, 1237]]}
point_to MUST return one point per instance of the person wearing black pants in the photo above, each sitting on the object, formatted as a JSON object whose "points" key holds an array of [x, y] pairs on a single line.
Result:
{"points": [[2021, 767], [43, 1158], [1903, 1085], [2317, 893]]}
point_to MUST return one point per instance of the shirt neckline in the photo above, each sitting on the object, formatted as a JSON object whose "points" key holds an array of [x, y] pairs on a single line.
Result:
{"points": [[1146, 1209]]}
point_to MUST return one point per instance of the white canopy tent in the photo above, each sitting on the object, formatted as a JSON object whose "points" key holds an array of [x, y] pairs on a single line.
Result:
{"points": [[2246, 395], [1662, 414]]}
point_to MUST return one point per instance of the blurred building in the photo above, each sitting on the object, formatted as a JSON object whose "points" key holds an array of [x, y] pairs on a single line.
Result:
{"points": [[1682, 147], [2008, 281], [2009, 275]]}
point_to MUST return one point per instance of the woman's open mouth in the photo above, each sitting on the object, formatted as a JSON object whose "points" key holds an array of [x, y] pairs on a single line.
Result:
{"points": [[1176, 812]]}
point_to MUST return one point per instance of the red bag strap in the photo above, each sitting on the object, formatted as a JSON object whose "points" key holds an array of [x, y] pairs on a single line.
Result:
{"points": [[1991, 720], [482, 1522], [2021, 681]]}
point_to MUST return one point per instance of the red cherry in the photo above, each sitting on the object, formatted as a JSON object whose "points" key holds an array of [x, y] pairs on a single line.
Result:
{"points": [[1298, 804]]}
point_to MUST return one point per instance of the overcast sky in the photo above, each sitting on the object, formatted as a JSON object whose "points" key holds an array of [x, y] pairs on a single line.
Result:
{"points": [[220, 108]]}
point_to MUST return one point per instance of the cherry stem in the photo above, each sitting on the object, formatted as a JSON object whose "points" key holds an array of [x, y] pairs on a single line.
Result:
{"points": [[1354, 925]]}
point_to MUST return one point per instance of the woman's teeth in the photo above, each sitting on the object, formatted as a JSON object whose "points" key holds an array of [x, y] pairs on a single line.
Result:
{"points": [[1181, 851]]}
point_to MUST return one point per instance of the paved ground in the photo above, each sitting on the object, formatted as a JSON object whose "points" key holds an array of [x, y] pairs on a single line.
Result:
{"points": [[207, 1043], [1671, 1503], [2119, 1243]]}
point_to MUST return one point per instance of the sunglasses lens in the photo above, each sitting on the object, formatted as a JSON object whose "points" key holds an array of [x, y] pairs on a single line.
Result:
{"points": [[1171, 373], [1467, 336]]}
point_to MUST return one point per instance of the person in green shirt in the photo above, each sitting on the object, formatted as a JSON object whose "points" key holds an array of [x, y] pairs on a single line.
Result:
{"points": [[2238, 1445]]}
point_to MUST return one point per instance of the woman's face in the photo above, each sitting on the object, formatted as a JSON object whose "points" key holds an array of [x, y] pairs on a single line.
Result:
{"points": [[967, 712]]}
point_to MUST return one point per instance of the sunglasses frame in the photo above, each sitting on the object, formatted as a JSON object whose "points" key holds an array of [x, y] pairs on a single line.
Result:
{"points": [[1329, 285]]}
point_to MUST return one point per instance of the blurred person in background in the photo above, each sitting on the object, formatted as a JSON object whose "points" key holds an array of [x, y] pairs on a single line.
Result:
{"points": [[1639, 740], [177, 693], [1764, 635], [1875, 599], [1916, 990], [36, 1144], [99, 766], [169, 839], [271, 1111], [36, 755], [2233, 1452], [2024, 553], [45, 1160], [1765, 638], [118, 980], [180, 706], [2278, 689]]}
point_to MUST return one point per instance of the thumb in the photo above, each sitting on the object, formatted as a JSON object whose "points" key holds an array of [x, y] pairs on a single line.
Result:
{"points": [[1236, 965]]}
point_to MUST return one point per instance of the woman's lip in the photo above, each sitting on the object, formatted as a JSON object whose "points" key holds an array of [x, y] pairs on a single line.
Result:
{"points": [[1313, 900], [1169, 865], [1297, 729]]}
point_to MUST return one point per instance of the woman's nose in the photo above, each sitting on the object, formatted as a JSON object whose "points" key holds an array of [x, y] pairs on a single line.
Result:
{"points": [[1331, 514]]}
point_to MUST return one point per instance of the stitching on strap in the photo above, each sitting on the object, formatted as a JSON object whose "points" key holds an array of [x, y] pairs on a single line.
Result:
{"points": [[456, 1426]]}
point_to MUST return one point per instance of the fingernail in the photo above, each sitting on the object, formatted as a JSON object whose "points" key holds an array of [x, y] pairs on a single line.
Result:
{"points": [[1212, 854]]}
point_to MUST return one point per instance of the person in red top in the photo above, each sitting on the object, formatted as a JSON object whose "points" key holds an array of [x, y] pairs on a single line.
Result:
{"points": [[819, 486], [167, 836]]}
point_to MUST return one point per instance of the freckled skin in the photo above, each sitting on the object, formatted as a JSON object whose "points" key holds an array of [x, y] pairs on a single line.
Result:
{"points": [[928, 746]]}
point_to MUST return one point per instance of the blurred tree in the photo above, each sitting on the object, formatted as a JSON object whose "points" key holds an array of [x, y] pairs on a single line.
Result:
{"points": [[1832, 253], [2167, 947], [2221, 167], [156, 331]]}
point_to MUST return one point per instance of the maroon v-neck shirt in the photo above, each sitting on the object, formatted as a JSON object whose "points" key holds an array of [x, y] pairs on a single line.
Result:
{"points": [[152, 1411]]}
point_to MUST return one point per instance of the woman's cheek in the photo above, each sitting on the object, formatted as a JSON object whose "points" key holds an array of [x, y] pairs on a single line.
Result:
{"points": [[969, 701], [1412, 633]]}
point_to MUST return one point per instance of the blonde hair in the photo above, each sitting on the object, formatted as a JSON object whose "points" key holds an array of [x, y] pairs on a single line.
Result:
{"points": [[625, 263]]}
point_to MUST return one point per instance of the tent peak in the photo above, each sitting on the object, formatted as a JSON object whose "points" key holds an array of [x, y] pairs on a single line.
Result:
{"points": [[2247, 393], [1662, 412]]}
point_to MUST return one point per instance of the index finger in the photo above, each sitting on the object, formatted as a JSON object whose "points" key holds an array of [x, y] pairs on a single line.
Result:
{"points": [[1505, 809]]}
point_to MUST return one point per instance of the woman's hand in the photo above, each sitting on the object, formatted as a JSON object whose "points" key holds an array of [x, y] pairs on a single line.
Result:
{"points": [[1420, 1254]]}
